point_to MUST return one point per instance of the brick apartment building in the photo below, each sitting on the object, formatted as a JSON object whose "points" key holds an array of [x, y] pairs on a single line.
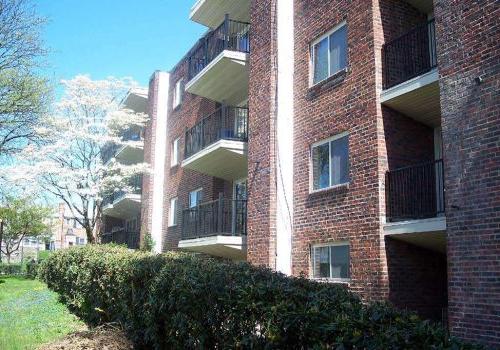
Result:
{"points": [[352, 141]]}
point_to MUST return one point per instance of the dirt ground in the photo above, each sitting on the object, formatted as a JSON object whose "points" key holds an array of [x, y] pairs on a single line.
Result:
{"points": [[105, 337]]}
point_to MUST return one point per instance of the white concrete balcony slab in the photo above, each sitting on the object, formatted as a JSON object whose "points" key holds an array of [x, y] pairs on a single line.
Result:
{"points": [[225, 159], [211, 13], [229, 247], [124, 206], [225, 79], [425, 233]]}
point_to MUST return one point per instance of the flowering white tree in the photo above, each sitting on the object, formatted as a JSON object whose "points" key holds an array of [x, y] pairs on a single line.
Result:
{"points": [[69, 163]]}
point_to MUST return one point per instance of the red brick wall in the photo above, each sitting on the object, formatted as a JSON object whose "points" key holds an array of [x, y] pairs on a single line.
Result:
{"points": [[261, 167], [345, 102], [417, 278], [467, 46], [179, 181]]}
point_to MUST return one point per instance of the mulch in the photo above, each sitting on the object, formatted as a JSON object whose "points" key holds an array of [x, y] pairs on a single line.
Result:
{"points": [[106, 337]]}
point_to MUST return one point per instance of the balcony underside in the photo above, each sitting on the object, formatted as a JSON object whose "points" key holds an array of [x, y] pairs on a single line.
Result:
{"points": [[416, 98], [124, 207], [224, 159], [211, 12], [224, 80], [230, 247], [130, 155], [426, 233]]}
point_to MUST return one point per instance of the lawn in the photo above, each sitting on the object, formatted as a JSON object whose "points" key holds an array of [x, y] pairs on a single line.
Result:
{"points": [[30, 315]]}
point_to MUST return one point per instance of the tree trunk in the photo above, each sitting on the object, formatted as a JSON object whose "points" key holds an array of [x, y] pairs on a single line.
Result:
{"points": [[90, 235]]}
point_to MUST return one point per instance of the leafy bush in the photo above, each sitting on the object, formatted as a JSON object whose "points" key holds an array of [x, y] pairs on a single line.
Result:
{"points": [[179, 300], [11, 269]]}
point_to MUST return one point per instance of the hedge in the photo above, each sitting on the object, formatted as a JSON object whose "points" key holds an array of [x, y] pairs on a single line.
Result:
{"points": [[178, 300], [11, 269]]}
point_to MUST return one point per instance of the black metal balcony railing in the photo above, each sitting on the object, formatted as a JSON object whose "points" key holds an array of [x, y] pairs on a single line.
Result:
{"points": [[410, 55], [135, 183], [130, 239], [226, 123], [110, 149], [218, 217], [230, 35], [415, 192]]}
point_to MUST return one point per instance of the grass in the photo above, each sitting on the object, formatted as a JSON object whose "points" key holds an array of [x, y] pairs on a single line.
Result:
{"points": [[31, 315]]}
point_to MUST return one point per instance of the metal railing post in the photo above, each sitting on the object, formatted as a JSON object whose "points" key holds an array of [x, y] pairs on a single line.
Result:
{"points": [[226, 31], [220, 209]]}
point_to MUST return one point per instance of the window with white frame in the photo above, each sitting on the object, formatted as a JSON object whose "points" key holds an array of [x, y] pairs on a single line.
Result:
{"points": [[172, 212], [195, 197], [177, 98], [174, 156], [329, 54], [330, 162], [331, 261]]}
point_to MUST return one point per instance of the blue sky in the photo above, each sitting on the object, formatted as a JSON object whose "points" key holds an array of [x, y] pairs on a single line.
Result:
{"points": [[116, 37]]}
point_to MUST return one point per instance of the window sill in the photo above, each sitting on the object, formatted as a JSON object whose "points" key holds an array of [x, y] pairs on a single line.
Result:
{"points": [[343, 281], [330, 82], [331, 188]]}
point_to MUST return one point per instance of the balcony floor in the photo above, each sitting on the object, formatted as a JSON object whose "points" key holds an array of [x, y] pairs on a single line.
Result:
{"points": [[417, 98], [224, 159], [230, 247], [125, 207], [211, 13], [426, 233], [224, 80]]}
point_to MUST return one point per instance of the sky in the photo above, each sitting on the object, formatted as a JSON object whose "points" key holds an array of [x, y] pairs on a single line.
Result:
{"points": [[120, 38]]}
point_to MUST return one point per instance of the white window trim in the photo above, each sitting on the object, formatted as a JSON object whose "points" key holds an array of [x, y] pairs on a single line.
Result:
{"points": [[311, 165], [330, 244], [174, 156], [172, 217], [311, 55]]}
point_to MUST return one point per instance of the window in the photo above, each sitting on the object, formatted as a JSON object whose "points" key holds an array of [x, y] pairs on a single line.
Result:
{"points": [[177, 100], [329, 53], [174, 156], [330, 162], [331, 261], [195, 197], [172, 213]]}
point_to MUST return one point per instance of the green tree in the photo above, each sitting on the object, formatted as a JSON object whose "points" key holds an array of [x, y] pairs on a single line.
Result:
{"points": [[23, 94], [21, 218]]}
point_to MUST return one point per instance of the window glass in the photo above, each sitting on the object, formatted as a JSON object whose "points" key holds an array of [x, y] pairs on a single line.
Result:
{"points": [[172, 214], [321, 165], [329, 54], [174, 159], [338, 50], [330, 163], [321, 60], [177, 98], [340, 161], [340, 261], [331, 261], [195, 198]]}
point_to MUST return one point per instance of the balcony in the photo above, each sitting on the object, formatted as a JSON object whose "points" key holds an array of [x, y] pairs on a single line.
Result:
{"points": [[415, 204], [216, 228], [124, 154], [410, 76], [122, 204], [218, 64], [217, 145], [130, 239], [211, 13]]}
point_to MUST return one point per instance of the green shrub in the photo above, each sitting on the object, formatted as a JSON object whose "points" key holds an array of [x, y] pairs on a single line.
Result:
{"points": [[179, 300], [11, 269]]}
